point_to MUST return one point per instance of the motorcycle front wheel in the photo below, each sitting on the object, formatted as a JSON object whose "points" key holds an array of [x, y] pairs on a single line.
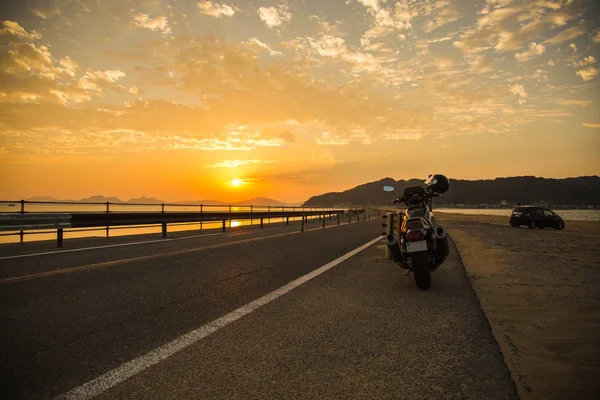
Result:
{"points": [[421, 266]]}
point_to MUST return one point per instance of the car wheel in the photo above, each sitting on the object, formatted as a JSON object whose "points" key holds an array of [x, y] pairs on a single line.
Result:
{"points": [[532, 224], [561, 225]]}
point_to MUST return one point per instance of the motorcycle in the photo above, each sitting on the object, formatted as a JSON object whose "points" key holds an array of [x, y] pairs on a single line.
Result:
{"points": [[414, 239]]}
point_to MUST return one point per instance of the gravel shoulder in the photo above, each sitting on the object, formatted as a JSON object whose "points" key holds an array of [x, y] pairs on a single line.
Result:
{"points": [[540, 290]]}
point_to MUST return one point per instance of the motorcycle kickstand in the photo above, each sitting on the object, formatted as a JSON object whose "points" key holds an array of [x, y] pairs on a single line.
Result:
{"points": [[406, 272]]}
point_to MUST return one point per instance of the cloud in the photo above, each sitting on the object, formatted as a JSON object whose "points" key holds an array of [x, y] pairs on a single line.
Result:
{"points": [[579, 103], [11, 28], [158, 23], [567, 34], [586, 61], [274, 17], [573, 46], [373, 4], [519, 91], [215, 10], [47, 14], [496, 26], [265, 46], [444, 13], [535, 50], [481, 64], [588, 74], [327, 138], [99, 80], [596, 38], [329, 46], [237, 163], [588, 125], [386, 21], [404, 134]]}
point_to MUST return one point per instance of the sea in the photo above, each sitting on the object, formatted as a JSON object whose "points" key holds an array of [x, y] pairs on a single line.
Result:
{"points": [[567, 215], [13, 237], [50, 234]]}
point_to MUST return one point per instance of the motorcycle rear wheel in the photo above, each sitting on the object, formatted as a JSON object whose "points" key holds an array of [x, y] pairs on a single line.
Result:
{"points": [[421, 266]]}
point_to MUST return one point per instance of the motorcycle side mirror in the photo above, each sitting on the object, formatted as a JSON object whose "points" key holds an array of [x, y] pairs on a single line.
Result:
{"points": [[388, 188]]}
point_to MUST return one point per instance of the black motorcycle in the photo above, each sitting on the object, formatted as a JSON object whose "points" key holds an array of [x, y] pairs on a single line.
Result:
{"points": [[414, 239]]}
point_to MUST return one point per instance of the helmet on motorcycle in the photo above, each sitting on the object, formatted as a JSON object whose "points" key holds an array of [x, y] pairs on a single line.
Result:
{"points": [[438, 183]]}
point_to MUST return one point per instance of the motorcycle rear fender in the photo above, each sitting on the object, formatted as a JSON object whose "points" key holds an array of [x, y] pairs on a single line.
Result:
{"points": [[411, 223]]}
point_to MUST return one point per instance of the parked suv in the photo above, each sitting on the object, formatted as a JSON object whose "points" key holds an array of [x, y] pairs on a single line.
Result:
{"points": [[535, 217]]}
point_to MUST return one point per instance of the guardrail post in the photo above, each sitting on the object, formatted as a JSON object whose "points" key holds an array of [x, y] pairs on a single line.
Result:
{"points": [[338, 218], [200, 216], [251, 212], [107, 212], [269, 211], [59, 237], [261, 223], [164, 229], [323, 221], [287, 220], [21, 232], [230, 215], [349, 217], [302, 228], [224, 225]]}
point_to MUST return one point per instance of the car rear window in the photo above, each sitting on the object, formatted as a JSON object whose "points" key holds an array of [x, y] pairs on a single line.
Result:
{"points": [[520, 209]]}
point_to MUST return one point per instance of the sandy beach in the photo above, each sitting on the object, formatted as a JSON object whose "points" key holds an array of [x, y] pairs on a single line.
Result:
{"points": [[540, 290]]}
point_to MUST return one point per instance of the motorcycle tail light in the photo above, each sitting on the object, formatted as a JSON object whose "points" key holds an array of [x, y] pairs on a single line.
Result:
{"points": [[414, 224], [414, 235]]}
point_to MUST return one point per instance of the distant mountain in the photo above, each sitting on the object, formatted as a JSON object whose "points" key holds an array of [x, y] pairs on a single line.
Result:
{"points": [[261, 201], [101, 199], [145, 200], [581, 191], [42, 198]]}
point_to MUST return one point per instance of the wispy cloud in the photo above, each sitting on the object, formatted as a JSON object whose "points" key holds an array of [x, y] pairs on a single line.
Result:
{"points": [[588, 74], [519, 91], [567, 34], [237, 163], [215, 9], [588, 125], [535, 50], [158, 23], [274, 17]]}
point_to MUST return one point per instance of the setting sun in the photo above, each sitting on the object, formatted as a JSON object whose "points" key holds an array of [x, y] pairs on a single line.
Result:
{"points": [[236, 182]]}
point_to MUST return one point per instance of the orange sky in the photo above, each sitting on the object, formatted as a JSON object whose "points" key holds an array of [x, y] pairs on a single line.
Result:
{"points": [[175, 99]]}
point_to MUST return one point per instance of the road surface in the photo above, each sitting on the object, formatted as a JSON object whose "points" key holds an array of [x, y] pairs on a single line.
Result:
{"points": [[360, 329]]}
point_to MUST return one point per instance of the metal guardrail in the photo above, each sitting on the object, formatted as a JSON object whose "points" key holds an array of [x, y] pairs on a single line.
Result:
{"points": [[21, 221]]}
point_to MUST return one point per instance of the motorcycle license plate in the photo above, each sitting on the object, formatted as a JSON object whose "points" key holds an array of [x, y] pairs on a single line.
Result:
{"points": [[412, 247]]}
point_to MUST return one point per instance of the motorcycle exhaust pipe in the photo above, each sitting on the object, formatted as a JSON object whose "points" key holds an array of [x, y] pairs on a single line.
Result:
{"points": [[392, 244], [443, 249]]}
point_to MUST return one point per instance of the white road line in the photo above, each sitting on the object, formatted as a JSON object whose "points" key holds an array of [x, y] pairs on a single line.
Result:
{"points": [[132, 244], [131, 368], [108, 245]]}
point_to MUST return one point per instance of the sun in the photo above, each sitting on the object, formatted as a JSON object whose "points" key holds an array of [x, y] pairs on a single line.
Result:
{"points": [[236, 182]]}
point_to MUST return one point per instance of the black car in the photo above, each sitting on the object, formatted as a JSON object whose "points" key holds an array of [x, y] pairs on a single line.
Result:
{"points": [[535, 217]]}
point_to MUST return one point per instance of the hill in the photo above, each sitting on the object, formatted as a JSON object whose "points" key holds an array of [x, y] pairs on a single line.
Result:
{"points": [[581, 191], [261, 201]]}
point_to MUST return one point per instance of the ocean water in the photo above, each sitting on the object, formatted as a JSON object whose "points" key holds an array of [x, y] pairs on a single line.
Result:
{"points": [[567, 215], [49, 234]]}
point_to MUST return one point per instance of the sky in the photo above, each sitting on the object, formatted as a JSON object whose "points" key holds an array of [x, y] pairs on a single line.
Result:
{"points": [[231, 100]]}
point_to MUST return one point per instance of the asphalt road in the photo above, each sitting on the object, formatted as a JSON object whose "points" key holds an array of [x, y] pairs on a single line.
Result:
{"points": [[359, 330]]}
